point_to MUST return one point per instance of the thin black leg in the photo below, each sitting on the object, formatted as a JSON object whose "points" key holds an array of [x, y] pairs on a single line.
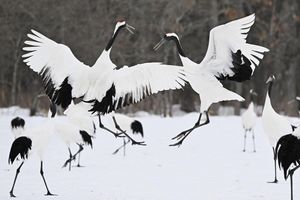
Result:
{"points": [[291, 179], [42, 174], [74, 156], [253, 138], [107, 129], [291, 173], [181, 137], [126, 135], [16, 176], [275, 167], [122, 146], [70, 157], [245, 137]]}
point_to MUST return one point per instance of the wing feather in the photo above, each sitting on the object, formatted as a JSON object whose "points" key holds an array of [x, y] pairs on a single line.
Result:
{"points": [[228, 50], [56, 64], [132, 84]]}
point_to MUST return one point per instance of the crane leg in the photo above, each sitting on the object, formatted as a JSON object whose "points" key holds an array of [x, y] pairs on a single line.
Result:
{"points": [[253, 138], [42, 174], [74, 156], [70, 154], [181, 137], [275, 167], [78, 164], [126, 135], [107, 129], [122, 146], [16, 176], [245, 137], [291, 173]]}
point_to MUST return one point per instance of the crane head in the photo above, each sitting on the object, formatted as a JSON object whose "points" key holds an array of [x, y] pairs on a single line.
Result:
{"points": [[271, 78], [252, 92], [123, 24], [167, 37]]}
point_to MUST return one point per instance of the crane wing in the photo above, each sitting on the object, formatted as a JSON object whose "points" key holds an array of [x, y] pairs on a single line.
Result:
{"points": [[229, 56], [63, 76], [132, 84]]}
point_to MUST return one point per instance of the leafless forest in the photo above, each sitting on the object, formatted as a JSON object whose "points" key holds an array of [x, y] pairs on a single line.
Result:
{"points": [[86, 26]]}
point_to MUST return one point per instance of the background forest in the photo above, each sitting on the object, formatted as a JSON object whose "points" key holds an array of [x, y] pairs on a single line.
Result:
{"points": [[86, 26]]}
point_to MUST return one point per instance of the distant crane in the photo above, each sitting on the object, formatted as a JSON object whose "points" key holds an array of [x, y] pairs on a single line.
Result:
{"points": [[274, 125], [129, 125], [288, 154], [31, 140], [17, 126], [228, 56], [249, 120], [103, 85]]}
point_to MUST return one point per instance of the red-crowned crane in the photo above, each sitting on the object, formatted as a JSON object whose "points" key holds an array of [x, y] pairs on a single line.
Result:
{"points": [[274, 125], [228, 56], [76, 128], [288, 154], [249, 120], [31, 140], [102, 85]]}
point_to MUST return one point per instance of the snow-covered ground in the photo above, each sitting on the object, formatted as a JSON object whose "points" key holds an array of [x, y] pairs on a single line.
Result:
{"points": [[210, 165]]}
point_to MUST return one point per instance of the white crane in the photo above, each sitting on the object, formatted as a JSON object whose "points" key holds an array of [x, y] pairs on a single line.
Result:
{"points": [[274, 125], [249, 120], [102, 85], [17, 126], [228, 56], [129, 125], [31, 140], [288, 154], [77, 128]]}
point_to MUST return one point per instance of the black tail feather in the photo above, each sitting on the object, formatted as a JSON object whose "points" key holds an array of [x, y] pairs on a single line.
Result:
{"points": [[17, 122], [87, 138], [21, 146], [287, 152], [137, 128]]}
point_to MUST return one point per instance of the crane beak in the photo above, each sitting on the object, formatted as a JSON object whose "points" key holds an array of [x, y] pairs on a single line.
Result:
{"points": [[270, 79], [161, 42], [131, 29]]}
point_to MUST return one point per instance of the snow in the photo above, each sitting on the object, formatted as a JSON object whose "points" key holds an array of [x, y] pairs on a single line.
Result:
{"points": [[209, 165]]}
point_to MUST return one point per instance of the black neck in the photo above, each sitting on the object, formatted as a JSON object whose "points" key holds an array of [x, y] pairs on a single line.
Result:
{"points": [[270, 88], [179, 47], [111, 41], [252, 97]]}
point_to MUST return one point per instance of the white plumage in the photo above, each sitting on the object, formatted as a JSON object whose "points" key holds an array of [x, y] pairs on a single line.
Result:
{"points": [[228, 56], [274, 125], [65, 77], [249, 117], [31, 140], [249, 121], [76, 128]]}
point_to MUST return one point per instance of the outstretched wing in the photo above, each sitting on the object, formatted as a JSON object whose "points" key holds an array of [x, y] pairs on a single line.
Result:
{"points": [[63, 76], [132, 84], [228, 55]]}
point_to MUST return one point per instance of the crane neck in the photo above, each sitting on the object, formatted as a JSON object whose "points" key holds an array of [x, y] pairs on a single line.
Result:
{"points": [[112, 39], [179, 47], [270, 88]]}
